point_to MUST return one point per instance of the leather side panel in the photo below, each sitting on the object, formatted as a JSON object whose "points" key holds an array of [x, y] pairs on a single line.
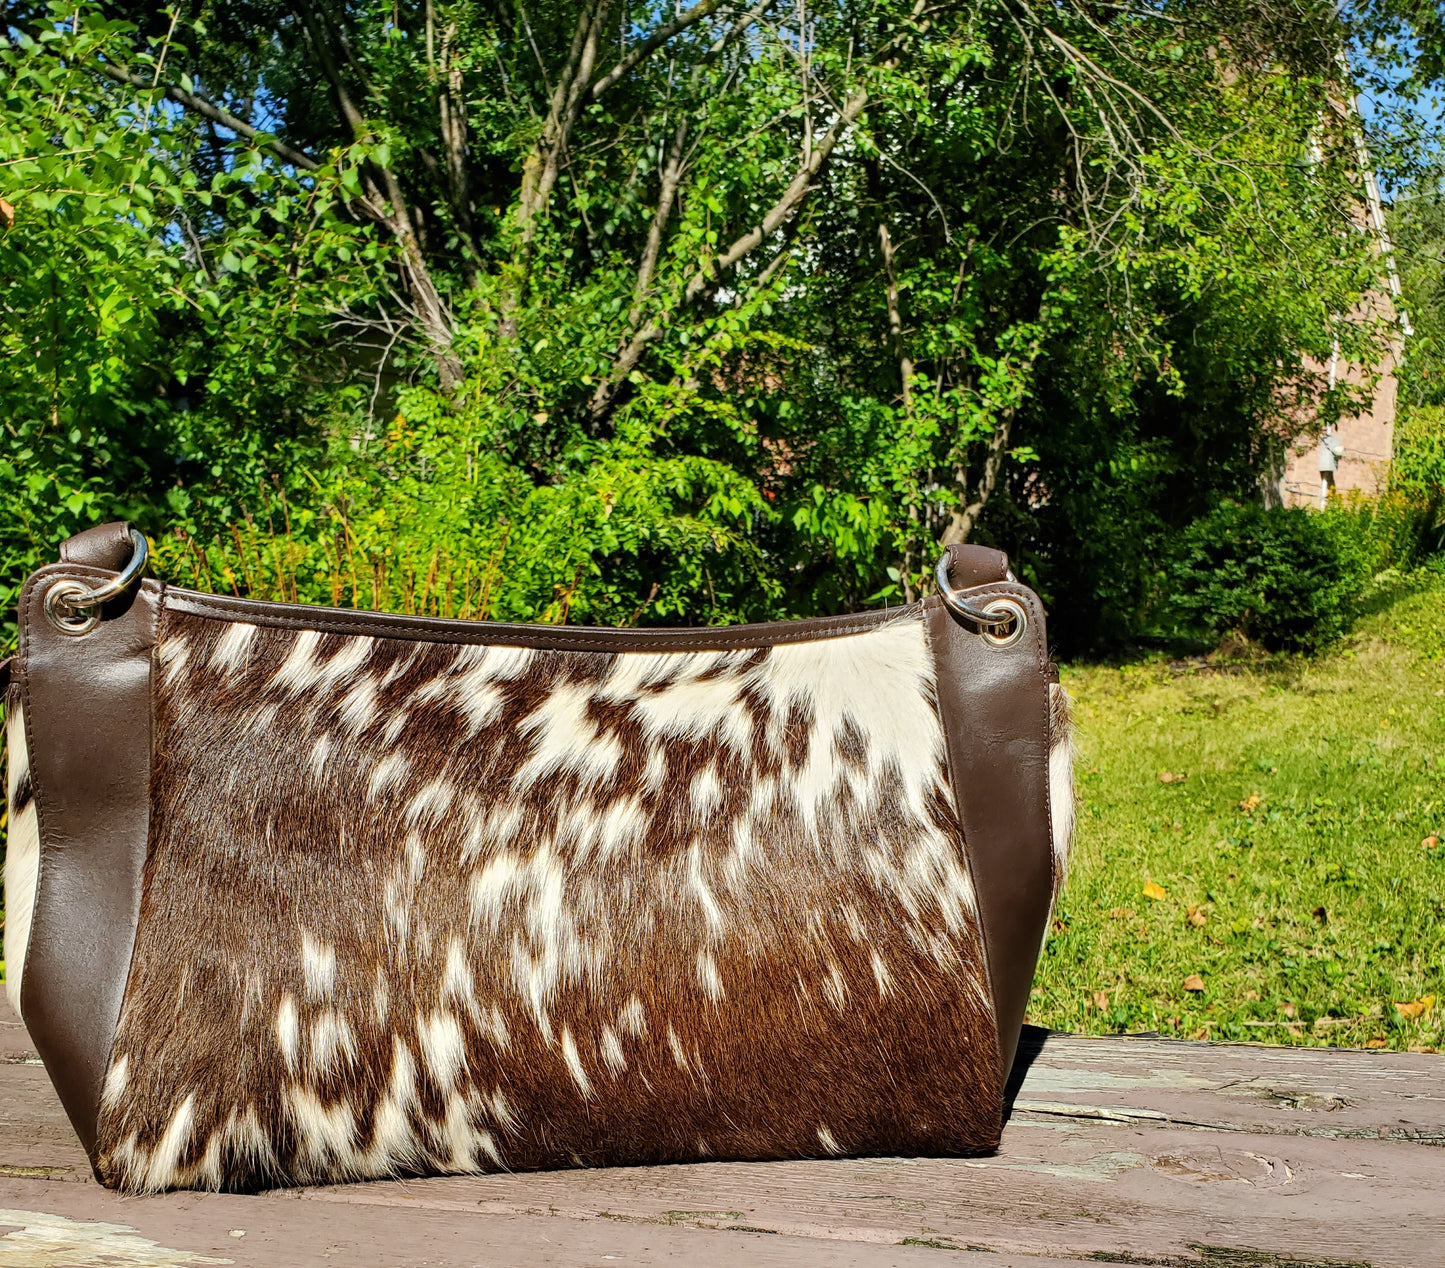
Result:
{"points": [[995, 707], [87, 703]]}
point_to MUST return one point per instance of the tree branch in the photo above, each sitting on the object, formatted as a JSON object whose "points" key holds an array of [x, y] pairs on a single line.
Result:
{"points": [[216, 114], [539, 170], [802, 184], [962, 519], [452, 124], [349, 111], [895, 318], [671, 177], [654, 42], [708, 274], [430, 308]]}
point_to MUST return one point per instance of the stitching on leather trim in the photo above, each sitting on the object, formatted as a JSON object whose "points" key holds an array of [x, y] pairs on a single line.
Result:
{"points": [[1043, 659], [157, 622], [660, 643]]}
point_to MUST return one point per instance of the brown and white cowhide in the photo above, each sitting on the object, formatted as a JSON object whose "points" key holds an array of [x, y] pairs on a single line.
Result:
{"points": [[1062, 801], [410, 908], [22, 849]]}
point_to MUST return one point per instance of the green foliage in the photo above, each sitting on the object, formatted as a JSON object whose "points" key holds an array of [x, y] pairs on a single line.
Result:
{"points": [[687, 345], [1382, 537], [1418, 468], [167, 320], [1284, 578], [1417, 229], [432, 521]]}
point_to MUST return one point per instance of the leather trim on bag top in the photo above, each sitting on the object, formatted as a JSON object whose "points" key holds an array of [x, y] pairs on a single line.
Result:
{"points": [[548, 637], [87, 709]]}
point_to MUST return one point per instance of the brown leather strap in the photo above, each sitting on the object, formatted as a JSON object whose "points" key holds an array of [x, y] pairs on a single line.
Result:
{"points": [[104, 546], [88, 727], [970, 565], [995, 707]]}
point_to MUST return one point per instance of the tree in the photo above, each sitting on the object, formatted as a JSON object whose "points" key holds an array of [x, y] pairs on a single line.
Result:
{"points": [[1417, 227], [728, 311]]}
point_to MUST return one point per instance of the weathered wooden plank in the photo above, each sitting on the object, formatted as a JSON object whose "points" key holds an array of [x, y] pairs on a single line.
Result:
{"points": [[1141, 1148], [35, 1136], [1068, 1191], [74, 1226], [1336, 1093]]}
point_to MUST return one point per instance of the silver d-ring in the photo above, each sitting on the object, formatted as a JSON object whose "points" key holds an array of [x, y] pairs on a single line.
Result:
{"points": [[74, 608], [953, 597], [123, 580], [1008, 631], [64, 610]]}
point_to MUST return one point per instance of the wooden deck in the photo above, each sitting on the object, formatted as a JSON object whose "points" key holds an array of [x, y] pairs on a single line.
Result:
{"points": [[1138, 1151]]}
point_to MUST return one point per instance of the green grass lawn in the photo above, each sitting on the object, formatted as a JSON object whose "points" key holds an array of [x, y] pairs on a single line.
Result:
{"points": [[1253, 859]]}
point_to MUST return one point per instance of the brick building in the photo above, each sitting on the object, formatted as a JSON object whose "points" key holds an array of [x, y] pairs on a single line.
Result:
{"points": [[1364, 442], [1367, 440]]}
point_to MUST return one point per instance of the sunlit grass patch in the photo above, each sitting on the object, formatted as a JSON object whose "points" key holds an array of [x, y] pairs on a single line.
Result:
{"points": [[1259, 852]]}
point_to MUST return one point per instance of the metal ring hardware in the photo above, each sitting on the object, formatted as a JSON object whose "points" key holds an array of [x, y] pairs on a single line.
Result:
{"points": [[953, 597], [1015, 622], [63, 612], [74, 608]]}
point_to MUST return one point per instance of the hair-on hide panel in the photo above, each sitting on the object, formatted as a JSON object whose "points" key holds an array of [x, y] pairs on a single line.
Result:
{"points": [[22, 850], [414, 908], [1062, 797]]}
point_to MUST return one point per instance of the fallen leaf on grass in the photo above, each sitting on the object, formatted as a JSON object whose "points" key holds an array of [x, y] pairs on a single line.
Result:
{"points": [[1375, 1043], [1287, 1009], [1120, 913], [1251, 803], [1197, 918], [1101, 1000], [1194, 982], [1155, 891], [1321, 915], [1252, 996], [1416, 1007], [1422, 1047], [1430, 842], [1169, 777]]}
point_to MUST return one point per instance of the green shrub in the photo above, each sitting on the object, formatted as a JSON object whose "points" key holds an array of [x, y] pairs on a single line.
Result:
{"points": [[1394, 531], [1418, 470], [1282, 577]]}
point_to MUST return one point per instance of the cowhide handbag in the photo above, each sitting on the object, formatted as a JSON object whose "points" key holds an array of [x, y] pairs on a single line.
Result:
{"points": [[297, 894]]}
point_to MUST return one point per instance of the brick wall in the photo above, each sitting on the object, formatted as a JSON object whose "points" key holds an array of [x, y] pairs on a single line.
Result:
{"points": [[1368, 439]]}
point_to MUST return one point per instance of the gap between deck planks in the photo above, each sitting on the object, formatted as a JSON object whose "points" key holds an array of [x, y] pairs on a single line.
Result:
{"points": [[1125, 1150]]}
